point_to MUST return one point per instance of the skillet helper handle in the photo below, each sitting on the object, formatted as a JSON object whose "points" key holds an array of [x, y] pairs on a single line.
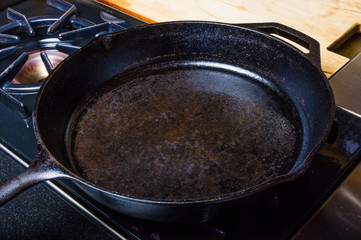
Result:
{"points": [[41, 168], [291, 34]]}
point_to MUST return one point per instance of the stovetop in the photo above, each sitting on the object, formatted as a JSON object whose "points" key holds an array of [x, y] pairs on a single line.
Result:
{"points": [[39, 213]]}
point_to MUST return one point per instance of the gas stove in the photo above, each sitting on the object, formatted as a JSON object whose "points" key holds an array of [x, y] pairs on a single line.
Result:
{"points": [[35, 36]]}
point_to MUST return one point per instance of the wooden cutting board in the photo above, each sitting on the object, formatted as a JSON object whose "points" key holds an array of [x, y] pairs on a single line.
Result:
{"points": [[324, 20]]}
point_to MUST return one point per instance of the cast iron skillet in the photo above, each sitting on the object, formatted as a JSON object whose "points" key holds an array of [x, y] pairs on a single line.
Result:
{"points": [[229, 53]]}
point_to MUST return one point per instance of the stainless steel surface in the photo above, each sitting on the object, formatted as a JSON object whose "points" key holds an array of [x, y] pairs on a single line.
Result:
{"points": [[340, 216], [346, 86]]}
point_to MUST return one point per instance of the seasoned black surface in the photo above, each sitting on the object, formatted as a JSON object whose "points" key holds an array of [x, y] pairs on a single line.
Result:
{"points": [[41, 214], [185, 134]]}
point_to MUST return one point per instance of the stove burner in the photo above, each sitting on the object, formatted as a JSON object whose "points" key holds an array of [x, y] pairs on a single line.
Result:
{"points": [[34, 69], [24, 63]]}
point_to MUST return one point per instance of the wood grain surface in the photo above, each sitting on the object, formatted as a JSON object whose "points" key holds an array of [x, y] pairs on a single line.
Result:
{"points": [[324, 20]]}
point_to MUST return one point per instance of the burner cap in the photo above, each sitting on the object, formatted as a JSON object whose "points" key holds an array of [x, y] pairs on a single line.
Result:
{"points": [[34, 70]]}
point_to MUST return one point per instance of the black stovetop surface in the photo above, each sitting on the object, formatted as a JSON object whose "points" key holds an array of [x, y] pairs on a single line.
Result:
{"points": [[39, 213]]}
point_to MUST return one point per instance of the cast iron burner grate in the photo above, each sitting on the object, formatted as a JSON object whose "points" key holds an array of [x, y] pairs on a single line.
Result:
{"points": [[32, 47]]}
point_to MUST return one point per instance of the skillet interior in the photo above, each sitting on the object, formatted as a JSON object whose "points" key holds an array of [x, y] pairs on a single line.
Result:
{"points": [[182, 131]]}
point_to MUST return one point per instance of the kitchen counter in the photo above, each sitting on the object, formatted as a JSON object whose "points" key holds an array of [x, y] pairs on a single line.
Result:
{"points": [[324, 20]]}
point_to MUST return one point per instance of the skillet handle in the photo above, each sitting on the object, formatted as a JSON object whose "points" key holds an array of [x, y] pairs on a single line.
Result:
{"points": [[291, 34], [42, 168]]}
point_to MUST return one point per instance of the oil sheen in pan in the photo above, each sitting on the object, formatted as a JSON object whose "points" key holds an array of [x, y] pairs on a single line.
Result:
{"points": [[183, 132]]}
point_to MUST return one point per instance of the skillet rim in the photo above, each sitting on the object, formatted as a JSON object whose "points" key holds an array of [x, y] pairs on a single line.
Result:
{"points": [[217, 199]]}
